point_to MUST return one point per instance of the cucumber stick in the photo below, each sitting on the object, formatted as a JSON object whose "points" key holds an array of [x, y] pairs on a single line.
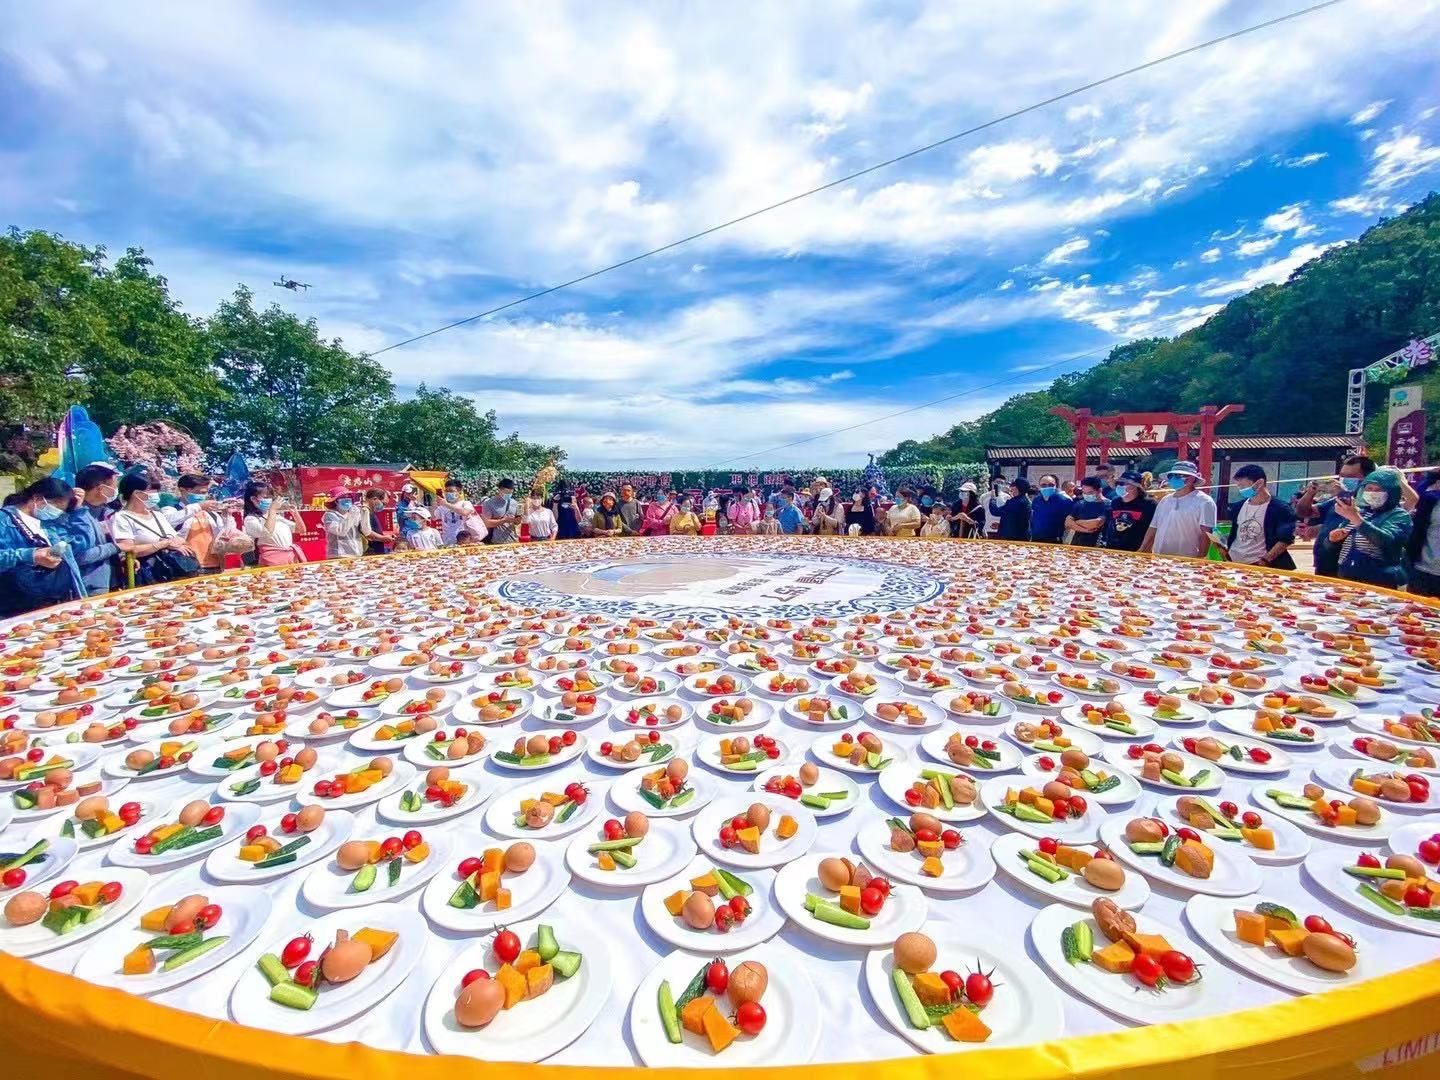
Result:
{"points": [[175, 960], [669, 1017], [910, 1001]]}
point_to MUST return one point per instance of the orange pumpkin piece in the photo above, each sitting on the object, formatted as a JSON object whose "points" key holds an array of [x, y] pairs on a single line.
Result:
{"points": [[139, 961], [380, 941], [692, 1016], [513, 983], [931, 989], [962, 1025], [787, 828], [502, 899], [1116, 958], [719, 1030], [527, 960], [493, 861], [489, 885], [1291, 941], [1250, 927], [539, 979]]}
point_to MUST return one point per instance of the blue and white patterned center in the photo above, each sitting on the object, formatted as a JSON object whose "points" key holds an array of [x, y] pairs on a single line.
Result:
{"points": [[663, 586]]}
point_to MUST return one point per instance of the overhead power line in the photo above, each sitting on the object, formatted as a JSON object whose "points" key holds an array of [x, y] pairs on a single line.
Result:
{"points": [[849, 177]]}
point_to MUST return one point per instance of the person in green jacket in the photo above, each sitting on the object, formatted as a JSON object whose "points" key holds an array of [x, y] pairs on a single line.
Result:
{"points": [[1376, 531]]}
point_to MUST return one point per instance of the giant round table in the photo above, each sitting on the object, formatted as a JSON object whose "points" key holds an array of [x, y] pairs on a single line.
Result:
{"points": [[902, 609]]}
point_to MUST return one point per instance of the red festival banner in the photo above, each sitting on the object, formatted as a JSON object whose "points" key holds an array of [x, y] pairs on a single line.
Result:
{"points": [[322, 479]]}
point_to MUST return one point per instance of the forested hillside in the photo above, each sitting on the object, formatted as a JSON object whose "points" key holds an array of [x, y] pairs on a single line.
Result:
{"points": [[1281, 350]]}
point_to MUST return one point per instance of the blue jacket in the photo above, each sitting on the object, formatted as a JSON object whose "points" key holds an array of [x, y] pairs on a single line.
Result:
{"points": [[1047, 516], [92, 551], [23, 585]]}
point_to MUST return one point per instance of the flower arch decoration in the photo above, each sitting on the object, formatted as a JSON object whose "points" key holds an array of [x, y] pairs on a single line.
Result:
{"points": [[159, 445]]}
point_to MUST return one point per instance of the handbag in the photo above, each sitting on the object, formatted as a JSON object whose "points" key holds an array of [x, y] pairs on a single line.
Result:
{"points": [[232, 541], [161, 566]]}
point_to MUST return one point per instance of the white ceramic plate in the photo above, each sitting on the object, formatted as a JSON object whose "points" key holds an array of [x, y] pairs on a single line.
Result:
{"points": [[764, 921], [224, 863], [566, 755], [1190, 713], [1074, 889], [552, 685], [676, 739], [904, 909], [415, 749], [1280, 762], [828, 781], [243, 915], [1081, 830], [1406, 839], [692, 684], [31, 940], [232, 826], [323, 678], [790, 1036], [895, 782], [1127, 792], [299, 727], [401, 775], [1079, 735], [1374, 724], [773, 852], [202, 762], [480, 787], [1326, 866], [631, 715], [942, 699], [57, 857], [1118, 994], [849, 708], [1291, 844], [109, 786], [115, 761], [1026, 1008], [531, 1031], [530, 893], [1336, 774], [1345, 748], [250, 1002], [328, 887], [625, 793], [1356, 834], [552, 712], [1292, 675], [968, 867], [933, 715], [1233, 875], [467, 714], [821, 751], [269, 790], [666, 850], [1213, 922], [152, 813], [761, 713], [394, 706], [1192, 766], [1241, 722], [80, 755], [353, 696], [500, 815]]}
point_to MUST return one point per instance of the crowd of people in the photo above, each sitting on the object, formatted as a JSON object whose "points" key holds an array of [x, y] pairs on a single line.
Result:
{"points": [[110, 529]]}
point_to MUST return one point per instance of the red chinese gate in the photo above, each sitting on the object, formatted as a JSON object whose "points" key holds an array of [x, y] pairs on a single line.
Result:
{"points": [[1146, 431]]}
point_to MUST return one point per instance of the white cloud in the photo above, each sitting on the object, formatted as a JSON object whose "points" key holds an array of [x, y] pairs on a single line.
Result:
{"points": [[1368, 113], [1211, 255], [1011, 161], [1250, 248], [1368, 205], [1065, 252], [1289, 219], [1166, 292], [1304, 161], [1271, 273], [1218, 237], [1400, 158]]}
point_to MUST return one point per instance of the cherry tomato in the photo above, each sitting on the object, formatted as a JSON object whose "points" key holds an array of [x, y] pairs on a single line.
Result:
{"points": [[13, 879], [613, 829], [1366, 859], [1419, 792], [1147, 970], [1187, 833], [468, 866], [1229, 809], [296, 950], [1048, 844], [1429, 852], [717, 977], [871, 900], [110, 892], [288, 823], [144, 845], [953, 982], [568, 739], [184, 926], [1178, 967], [978, 988], [474, 976], [1078, 806], [412, 840], [740, 907], [213, 816], [208, 916], [1418, 896], [728, 836], [912, 797], [951, 839], [750, 1018], [506, 946], [254, 833], [391, 847], [1317, 924], [63, 888], [307, 973], [925, 836], [1251, 820], [883, 884]]}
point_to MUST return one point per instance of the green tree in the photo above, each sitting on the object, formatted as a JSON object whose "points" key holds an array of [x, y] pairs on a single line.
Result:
{"points": [[291, 397]]}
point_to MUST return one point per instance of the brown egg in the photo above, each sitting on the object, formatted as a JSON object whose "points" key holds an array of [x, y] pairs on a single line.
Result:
{"points": [[1143, 831], [677, 770], [382, 765], [319, 726], [1104, 874], [186, 909], [95, 733], [1367, 812], [1056, 790], [345, 959], [519, 857], [60, 779], [478, 1003], [310, 818], [698, 912], [809, 774], [1075, 758], [833, 874], [138, 759], [926, 821], [674, 712], [914, 953], [537, 744], [306, 757], [93, 807], [636, 823], [426, 724], [352, 855], [25, 908], [1412, 866], [193, 812], [758, 815], [457, 749], [1394, 789], [435, 775]]}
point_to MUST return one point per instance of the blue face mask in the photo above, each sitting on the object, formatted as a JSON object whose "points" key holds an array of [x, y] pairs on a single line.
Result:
{"points": [[263, 505], [927, 501], [1243, 493], [1091, 496], [47, 512], [343, 504], [452, 496], [1174, 483], [194, 498], [1047, 492], [1350, 483], [152, 500]]}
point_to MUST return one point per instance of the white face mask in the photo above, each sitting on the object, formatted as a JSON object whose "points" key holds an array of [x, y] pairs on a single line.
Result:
{"points": [[1374, 499]]}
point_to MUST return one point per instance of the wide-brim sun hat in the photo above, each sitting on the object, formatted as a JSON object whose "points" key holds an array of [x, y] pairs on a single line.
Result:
{"points": [[1184, 468]]}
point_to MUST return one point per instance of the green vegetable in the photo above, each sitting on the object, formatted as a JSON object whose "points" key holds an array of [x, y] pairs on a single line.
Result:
{"points": [[410, 802], [94, 828], [545, 943], [1379, 899], [1429, 913], [1277, 911], [1102, 786], [292, 847], [1288, 801], [439, 752], [1393, 873], [248, 787], [909, 1001], [1178, 779], [1049, 871], [1077, 941], [669, 1018], [1200, 779], [273, 970], [179, 959], [1147, 847], [393, 873], [817, 802], [275, 859], [683, 797], [465, 894], [293, 995], [694, 989], [67, 830], [625, 859], [171, 942], [739, 884], [34, 852], [653, 799], [942, 781], [743, 765], [1169, 850], [363, 879], [566, 964], [63, 920], [188, 837], [834, 914]]}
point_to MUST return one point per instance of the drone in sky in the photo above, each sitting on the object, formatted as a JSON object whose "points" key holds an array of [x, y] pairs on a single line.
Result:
{"points": [[291, 284]]}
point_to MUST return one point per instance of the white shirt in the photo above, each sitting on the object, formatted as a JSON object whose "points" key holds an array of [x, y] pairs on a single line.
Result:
{"points": [[426, 539], [342, 532], [179, 514], [905, 519], [451, 518], [145, 528], [1248, 544], [281, 534], [1179, 524], [542, 523]]}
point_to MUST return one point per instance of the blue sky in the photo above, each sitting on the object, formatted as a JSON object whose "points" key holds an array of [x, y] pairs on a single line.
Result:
{"points": [[420, 164]]}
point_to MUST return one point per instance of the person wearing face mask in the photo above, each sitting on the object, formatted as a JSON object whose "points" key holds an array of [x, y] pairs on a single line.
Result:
{"points": [[1048, 511], [1185, 518], [789, 517], [606, 520], [860, 514], [904, 517], [341, 524], [999, 496], [1087, 514], [684, 522], [158, 552], [655, 521], [1324, 513], [377, 538], [768, 524], [271, 523], [828, 517], [193, 493], [200, 520], [566, 511], [1424, 545], [87, 528], [743, 511], [539, 521], [452, 511], [1374, 540], [965, 512], [1015, 513], [1262, 527], [38, 566], [1128, 517]]}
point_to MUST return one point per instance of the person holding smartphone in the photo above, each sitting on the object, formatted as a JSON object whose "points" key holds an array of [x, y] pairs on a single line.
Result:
{"points": [[271, 522], [1327, 553]]}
